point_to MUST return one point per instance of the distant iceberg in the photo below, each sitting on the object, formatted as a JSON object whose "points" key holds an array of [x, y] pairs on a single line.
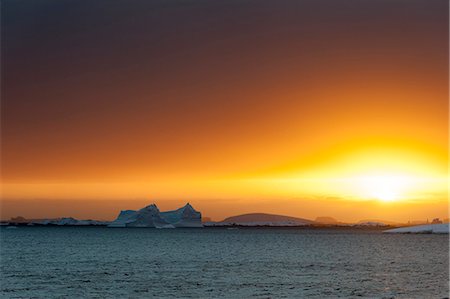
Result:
{"points": [[150, 216], [67, 221], [422, 229]]}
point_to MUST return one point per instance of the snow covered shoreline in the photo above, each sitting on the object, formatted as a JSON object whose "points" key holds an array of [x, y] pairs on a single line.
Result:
{"points": [[421, 229]]}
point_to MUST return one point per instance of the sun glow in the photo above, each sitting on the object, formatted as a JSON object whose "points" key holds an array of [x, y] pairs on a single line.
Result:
{"points": [[386, 187]]}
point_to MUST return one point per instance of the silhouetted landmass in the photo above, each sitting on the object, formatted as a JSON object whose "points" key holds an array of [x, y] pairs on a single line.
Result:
{"points": [[263, 219]]}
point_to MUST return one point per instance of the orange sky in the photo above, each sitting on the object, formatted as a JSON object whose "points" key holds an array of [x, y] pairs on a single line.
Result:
{"points": [[304, 108]]}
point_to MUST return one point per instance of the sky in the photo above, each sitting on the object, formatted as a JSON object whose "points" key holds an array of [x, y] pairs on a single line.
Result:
{"points": [[305, 108]]}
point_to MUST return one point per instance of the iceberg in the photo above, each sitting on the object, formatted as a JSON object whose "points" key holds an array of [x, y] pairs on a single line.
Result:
{"points": [[186, 216], [150, 216], [145, 217]]}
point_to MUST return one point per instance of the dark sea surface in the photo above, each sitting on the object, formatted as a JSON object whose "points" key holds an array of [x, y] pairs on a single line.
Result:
{"points": [[99, 262]]}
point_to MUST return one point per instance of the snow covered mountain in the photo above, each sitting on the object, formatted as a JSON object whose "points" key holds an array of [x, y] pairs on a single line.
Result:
{"points": [[150, 216]]}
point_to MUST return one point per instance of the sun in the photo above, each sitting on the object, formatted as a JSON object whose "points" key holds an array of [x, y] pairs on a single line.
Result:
{"points": [[385, 188], [385, 195]]}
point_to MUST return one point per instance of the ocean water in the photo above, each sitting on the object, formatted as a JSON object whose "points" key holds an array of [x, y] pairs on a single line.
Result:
{"points": [[98, 262]]}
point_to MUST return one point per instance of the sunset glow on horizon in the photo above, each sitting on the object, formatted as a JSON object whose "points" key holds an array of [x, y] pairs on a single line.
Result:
{"points": [[337, 110]]}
